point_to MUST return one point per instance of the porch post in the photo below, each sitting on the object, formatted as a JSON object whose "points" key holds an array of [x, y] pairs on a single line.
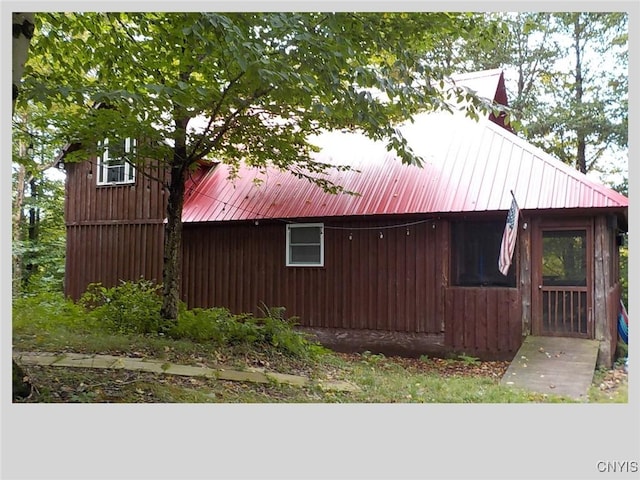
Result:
{"points": [[601, 283], [525, 274]]}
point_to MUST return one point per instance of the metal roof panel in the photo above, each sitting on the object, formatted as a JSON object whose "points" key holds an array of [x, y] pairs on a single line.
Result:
{"points": [[469, 166]]}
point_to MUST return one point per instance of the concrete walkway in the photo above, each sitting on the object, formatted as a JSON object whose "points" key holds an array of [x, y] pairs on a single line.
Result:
{"points": [[554, 365], [158, 366]]}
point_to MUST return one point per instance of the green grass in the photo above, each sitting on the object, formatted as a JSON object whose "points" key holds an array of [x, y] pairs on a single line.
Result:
{"points": [[60, 327]]}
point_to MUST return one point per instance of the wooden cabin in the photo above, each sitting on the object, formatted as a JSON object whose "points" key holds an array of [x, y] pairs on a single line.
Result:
{"points": [[409, 265]]}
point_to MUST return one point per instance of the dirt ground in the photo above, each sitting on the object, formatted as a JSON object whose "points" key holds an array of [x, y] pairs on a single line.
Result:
{"points": [[110, 385]]}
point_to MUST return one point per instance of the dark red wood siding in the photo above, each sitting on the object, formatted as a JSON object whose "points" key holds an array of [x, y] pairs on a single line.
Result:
{"points": [[482, 320], [367, 282], [113, 232], [88, 203], [374, 277], [110, 253]]}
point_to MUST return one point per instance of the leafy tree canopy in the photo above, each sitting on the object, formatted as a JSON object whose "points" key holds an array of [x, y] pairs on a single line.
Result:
{"points": [[237, 87], [262, 81]]}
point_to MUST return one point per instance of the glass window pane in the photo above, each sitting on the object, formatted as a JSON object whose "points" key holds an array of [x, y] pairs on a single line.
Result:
{"points": [[305, 254], [116, 173], [117, 150], [305, 235], [113, 165]]}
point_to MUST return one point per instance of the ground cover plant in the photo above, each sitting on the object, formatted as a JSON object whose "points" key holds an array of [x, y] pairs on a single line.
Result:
{"points": [[122, 321]]}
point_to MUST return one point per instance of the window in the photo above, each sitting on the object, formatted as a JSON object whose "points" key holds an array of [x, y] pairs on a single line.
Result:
{"points": [[305, 245], [475, 247], [564, 257], [114, 166]]}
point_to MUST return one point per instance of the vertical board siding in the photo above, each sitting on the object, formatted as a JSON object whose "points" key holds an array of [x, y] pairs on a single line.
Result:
{"points": [[88, 202], [482, 320], [110, 253], [113, 232], [367, 282]]}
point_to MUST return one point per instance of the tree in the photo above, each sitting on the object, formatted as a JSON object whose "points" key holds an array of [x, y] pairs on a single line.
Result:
{"points": [[237, 87], [567, 80], [38, 223], [22, 30], [587, 114], [519, 42]]}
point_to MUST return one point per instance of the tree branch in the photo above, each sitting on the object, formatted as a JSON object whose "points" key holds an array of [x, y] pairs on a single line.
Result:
{"points": [[216, 110]]}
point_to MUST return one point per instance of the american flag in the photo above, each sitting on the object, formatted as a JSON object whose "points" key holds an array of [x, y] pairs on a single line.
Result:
{"points": [[509, 238]]}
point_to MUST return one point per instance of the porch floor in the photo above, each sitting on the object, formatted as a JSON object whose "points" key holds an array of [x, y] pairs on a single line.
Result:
{"points": [[554, 365]]}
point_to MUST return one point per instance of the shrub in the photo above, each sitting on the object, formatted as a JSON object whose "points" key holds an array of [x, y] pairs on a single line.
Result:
{"points": [[131, 307], [48, 312], [220, 326], [280, 334], [201, 325], [134, 308]]}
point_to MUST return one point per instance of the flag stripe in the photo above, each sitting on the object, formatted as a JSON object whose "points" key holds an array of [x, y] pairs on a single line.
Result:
{"points": [[509, 237]]}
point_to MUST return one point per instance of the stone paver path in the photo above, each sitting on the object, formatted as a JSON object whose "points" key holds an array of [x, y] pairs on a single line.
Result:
{"points": [[158, 366]]}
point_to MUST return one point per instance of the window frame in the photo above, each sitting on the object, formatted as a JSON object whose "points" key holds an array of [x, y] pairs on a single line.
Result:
{"points": [[289, 262], [104, 160]]}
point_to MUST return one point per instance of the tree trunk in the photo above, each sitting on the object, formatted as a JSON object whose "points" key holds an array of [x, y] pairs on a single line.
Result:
{"points": [[23, 27], [581, 160], [17, 219], [21, 387], [173, 230], [33, 230]]}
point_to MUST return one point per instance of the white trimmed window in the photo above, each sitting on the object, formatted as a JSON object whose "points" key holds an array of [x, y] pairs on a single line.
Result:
{"points": [[305, 245], [114, 166]]}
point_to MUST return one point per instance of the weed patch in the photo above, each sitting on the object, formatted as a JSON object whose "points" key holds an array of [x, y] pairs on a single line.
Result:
{"points": [[132, 309], [216, 338]]}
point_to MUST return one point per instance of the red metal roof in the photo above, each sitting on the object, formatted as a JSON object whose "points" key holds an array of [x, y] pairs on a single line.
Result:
{"points": [[469, 167]]}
